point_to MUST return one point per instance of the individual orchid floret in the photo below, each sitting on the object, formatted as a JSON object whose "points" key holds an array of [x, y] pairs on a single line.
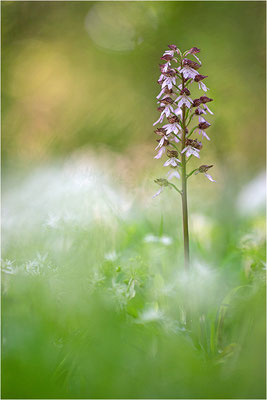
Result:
{"points": [[190, 151], [163, 142], [200, 77], [171, 161], [202, 126], [166, 91], [162, 183], [196, 103], [172, 127], [193, 51], [167, 57], [173, 119], [201, 85], [173, 49], [178, 112], [173, 173], [188, 72], [189, 68], [192, 148], [173, 158], [205, 99], [164, 68], [168, 78], [166, 111], [184, 99], [160, 131], [203, 169], [166, 100], [165, 108], [191, 64], [199, 111], [202, 101], [194, 143]]}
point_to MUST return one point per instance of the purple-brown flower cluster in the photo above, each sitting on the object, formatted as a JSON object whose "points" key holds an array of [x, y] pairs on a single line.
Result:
{"points": [[178, 109]]}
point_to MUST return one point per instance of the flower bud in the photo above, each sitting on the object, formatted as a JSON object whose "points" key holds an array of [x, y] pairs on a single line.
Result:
{"points": [[204, 168], [194, 143], [185, 91], [191, 64], [160, 131], [199, 77], [196, 103], [203, 125], [194, 50], [173, 119], [167, 100], [172, 47], [172, 153], [169, 73], [166, 57], [168, 91], [161, 182], [205, 99]]}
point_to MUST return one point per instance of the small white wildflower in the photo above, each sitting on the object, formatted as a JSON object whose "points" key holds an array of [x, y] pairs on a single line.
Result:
{"points": [[166, 240], [111, 256]]}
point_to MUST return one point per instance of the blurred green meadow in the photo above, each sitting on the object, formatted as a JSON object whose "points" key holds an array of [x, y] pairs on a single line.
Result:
{"points": [[94, 292]]}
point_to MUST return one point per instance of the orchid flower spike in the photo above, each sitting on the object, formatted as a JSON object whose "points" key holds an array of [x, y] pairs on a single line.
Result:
{"points": [[179, 75]]}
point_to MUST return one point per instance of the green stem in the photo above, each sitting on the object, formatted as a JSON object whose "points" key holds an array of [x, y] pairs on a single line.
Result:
{"points": [[191, 173], [184, 191], [192, 131], [176, 188]]}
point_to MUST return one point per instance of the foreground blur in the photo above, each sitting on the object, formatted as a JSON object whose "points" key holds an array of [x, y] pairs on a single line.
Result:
{"points": [[94, 291]]}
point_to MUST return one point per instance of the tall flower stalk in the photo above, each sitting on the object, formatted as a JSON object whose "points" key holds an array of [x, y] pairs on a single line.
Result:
{"points": [[179, 73]]}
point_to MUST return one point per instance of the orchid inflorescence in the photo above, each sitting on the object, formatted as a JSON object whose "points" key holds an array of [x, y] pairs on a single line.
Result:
{"points": [[178, 73]]}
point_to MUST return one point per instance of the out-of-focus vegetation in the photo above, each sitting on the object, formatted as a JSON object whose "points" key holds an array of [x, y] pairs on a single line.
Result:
{"points": [[73, 77], [93, 289]]}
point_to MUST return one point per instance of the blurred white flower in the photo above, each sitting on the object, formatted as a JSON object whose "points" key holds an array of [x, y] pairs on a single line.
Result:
{"points": [[8, 267], [111, 256], [74, 194], [252, 198], [150, 238], [166, 240], [33, 267], [52, 221], [151, 314]]}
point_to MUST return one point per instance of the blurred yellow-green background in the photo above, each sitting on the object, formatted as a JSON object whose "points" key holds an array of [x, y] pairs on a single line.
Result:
{"points": [[79, 75]]}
